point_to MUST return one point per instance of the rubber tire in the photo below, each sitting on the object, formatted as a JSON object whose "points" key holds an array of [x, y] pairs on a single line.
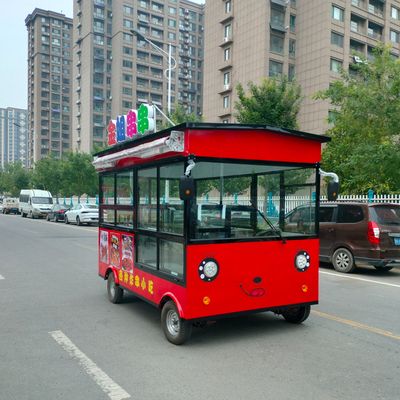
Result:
{"points": [[32, 216], [298, 316], [47, 217], [175, 330], [66, 220], [343, 260], [23, 215], [384, 268], [55, 219], [115, 293], [78, 221]]}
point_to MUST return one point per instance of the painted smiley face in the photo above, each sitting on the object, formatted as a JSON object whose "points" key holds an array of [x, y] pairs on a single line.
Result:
{"points": [[256, 292]]}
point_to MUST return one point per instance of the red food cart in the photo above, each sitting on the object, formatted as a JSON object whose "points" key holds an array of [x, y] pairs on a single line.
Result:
{"points": [[196, 220]]}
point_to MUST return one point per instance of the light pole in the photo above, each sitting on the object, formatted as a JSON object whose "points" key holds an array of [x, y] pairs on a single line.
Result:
{"points": [[164, 54]]}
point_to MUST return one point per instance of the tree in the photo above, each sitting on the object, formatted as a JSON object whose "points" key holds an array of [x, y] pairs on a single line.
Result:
{"points": [[79, 175], [272, 103], [14, 177], [179, 116], [364, 149], [47, 174]]}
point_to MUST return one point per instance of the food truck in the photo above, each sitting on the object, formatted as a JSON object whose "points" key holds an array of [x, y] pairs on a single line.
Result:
{"points": [[193, 221]]}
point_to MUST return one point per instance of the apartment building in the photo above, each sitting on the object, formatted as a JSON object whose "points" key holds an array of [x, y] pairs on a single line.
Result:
{"points": [[49, 84], [13, 135], [115, 71], [305, 39]]}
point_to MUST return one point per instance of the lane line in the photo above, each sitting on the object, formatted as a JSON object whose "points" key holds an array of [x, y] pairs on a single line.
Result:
{"points": [[31, 231], [86, 247], [2, 277], [112, 389], [356, 324], [341, 275]]}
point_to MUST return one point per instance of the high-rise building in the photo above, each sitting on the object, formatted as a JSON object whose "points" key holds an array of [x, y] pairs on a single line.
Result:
{"points": [[115, 71], [13, 135], [306, 39], [49, 83]]}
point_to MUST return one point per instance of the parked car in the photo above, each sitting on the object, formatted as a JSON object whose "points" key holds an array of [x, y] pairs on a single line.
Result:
{"points": [[355, 234], [82, 213], [10, 205], [57, 212]]}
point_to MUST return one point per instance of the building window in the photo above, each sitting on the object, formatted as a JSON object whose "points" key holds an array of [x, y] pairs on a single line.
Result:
{"points": [[336, 39], [277, 17], [127, 64], [226, 78], [337, 13], [292, 48], [276, 44], [127, 91], [394, 36], [128, 37], [128, 10], [275, 69], [172, 10], [127, 78], [335, 65], [128, 23], [292, 23], [227, 30], [227, 54], [291, 73], [98, 39], [395, 13], [228, 6], [226, 102]]}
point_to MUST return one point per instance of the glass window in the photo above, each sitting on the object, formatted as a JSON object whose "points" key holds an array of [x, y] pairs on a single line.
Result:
{"points": [[350, 214], [147, 208], [335, 65], [171, 258], [276, 44], [146, 250], [275, 69], [222, 209], [107, 189], [336, 39], [337, 13]]}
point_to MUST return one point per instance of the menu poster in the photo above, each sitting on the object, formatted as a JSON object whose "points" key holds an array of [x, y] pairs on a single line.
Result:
{"points": [[127, 253], [114, 250], [104, 246]]}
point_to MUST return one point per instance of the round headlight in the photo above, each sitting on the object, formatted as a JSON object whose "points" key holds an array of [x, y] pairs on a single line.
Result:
{"points": [[302, 261], [208, 269]]}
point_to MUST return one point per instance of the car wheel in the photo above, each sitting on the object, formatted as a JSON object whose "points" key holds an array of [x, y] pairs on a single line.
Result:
{"points": [[115, 293], [78, 221], [343, 261], [32, 216], [23, 215], [384, 268], [55, 219], [297, 315], [175, 330], [66, 220], [47, 217]]}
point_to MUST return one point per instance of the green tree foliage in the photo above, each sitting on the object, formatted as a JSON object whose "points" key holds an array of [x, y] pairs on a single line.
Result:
{"points": [[47, 174], [179, 116], [13, 178], [272, 103], [79, 175], [365, 150]]}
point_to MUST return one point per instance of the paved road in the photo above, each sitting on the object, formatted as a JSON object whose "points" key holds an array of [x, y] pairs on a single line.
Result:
{"points": [[60, 337]]}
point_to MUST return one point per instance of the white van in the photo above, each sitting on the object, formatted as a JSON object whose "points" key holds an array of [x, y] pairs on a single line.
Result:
{"points": [[35, 203]]}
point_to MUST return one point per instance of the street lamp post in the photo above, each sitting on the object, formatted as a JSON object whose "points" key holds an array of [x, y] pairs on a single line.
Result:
{"points": [[164, 54]]}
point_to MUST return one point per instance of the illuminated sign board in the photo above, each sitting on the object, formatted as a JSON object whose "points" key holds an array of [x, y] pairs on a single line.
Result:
{"points": [[127, 127]]}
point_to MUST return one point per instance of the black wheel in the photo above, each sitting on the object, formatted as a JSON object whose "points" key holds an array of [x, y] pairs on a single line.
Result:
{"points": [[23, 215], [78, 221], [343, 261], [384, 268], [297, 315], [32, 216], [47, 217], [114, 292], [55, 218], [66, 220], [175, 330]]}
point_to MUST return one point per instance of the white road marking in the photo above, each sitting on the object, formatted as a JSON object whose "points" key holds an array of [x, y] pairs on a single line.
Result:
{"points": [[2, 277], [341, 275], [112, 389]]}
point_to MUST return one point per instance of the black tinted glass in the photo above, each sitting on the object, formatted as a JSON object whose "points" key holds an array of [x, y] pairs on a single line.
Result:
{"points": [[350, 214]]}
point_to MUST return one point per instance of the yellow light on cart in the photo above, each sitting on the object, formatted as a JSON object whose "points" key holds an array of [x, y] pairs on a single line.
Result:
{"points": [[304, 288], [206, 301]]}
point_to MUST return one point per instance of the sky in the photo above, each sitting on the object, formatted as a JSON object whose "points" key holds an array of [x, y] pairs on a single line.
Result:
{"points": [[14, 46]]}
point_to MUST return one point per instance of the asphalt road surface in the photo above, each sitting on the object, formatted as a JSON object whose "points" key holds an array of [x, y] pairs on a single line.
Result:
{"points": [[60, 337]]}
